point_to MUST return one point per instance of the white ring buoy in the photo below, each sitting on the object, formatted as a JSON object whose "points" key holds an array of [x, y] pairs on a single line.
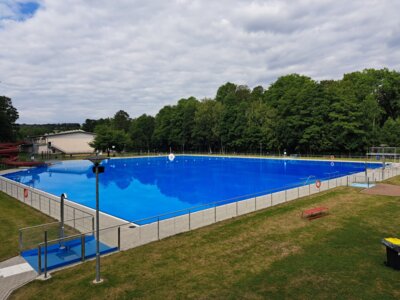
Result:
{"points": [[171, 157], [332, 164], [318, 183]]}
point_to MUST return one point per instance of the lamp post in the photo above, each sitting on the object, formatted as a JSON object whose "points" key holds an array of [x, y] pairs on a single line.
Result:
{"points": [[97, 169], [62, 228]]}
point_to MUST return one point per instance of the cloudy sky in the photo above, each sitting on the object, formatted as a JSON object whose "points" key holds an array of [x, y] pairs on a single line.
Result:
{"points": [[65, 61]]}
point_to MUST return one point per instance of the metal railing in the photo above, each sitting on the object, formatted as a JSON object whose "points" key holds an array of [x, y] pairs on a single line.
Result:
{"points": [[53, 253], [30, 236], [47, 204], [138, 232], [265, 154]]}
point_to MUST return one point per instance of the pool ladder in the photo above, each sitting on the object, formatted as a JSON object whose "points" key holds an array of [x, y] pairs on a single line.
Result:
{"points": [[308, 178]]}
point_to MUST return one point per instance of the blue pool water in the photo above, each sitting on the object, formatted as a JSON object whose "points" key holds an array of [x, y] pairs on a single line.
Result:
{"points": [[138, 188]]}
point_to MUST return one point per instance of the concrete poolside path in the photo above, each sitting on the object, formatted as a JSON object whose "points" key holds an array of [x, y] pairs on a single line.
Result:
{"points": [[14, 273], [383, 189]]}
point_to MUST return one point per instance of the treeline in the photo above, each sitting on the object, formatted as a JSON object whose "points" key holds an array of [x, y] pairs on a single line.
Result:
{"points": [[31, 130], [295, 114]]}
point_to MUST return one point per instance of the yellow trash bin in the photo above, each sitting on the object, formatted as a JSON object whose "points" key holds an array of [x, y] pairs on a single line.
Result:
{"points": [[392, 252]]}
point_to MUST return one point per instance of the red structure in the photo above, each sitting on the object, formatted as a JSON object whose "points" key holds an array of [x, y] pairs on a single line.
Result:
{"points": [[10, 151]]}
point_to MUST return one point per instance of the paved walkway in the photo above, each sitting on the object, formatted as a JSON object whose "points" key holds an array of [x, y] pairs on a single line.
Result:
{"points": [[383, 189], [14, 273]]}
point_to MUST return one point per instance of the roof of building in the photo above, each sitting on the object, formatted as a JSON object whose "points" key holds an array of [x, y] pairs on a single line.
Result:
{"points": [[69, 132], [72, 146]]}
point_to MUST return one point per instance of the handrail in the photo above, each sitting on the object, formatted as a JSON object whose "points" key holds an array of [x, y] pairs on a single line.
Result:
{"points": [[37, 192], [80, 234], [307, 178], [51, 223]]}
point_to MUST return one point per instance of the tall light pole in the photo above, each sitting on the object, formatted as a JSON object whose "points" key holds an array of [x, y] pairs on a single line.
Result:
{"points": [[97, 169]]}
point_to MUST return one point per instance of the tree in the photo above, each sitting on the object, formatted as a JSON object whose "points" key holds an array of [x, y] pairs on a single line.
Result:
{"points": [[390, 132], [121, 121], [293, 99], [89, 125], [205, 133], [183, 122], [141, 132], [163, 126], [8, 117], [107, 137], [258, 134], [346, 119]]}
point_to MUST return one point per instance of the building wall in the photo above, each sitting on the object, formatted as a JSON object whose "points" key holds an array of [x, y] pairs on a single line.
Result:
{"points": [[69, 143]]}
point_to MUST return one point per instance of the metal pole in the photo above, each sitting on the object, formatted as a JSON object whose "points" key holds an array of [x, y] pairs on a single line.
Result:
{"points": [[366, 172], [97, 227], [236, 208], [45, 254], [83, 247], [119, 238], [20, 241], [383, 168], [62, 218], [39, 260], [190, 227], [158, 228]]}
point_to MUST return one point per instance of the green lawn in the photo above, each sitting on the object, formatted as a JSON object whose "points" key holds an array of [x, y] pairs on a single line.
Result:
{"points": [[268, 254], [15, 215]]}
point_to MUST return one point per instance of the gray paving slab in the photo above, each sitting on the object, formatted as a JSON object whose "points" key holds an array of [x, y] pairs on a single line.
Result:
{"points": [[10, 283]]}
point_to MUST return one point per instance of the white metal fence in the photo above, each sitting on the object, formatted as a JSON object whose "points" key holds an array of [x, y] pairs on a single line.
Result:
{"points": [[144, 231], [160, 227], [47, 204]]}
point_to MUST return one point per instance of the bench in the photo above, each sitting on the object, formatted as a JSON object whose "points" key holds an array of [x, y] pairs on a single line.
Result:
{"points": [[314, 213]]}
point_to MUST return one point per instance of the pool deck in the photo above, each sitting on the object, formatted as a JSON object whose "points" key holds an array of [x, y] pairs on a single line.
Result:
{"points": [[14, 273], [383, 189]]}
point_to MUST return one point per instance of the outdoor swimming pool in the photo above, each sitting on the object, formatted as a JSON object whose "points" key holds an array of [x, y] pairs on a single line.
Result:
{"points": [[137, 188]]}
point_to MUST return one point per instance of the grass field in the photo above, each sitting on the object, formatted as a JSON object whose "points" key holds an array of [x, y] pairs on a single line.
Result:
{"points": [[15, 215], [268, 254]]}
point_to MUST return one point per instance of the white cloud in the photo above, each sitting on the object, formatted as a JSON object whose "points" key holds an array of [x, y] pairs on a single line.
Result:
{"points": [[82, 59]]}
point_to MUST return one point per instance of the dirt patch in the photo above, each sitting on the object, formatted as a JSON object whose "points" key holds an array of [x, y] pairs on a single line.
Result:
{"points": [[383, 189]]}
